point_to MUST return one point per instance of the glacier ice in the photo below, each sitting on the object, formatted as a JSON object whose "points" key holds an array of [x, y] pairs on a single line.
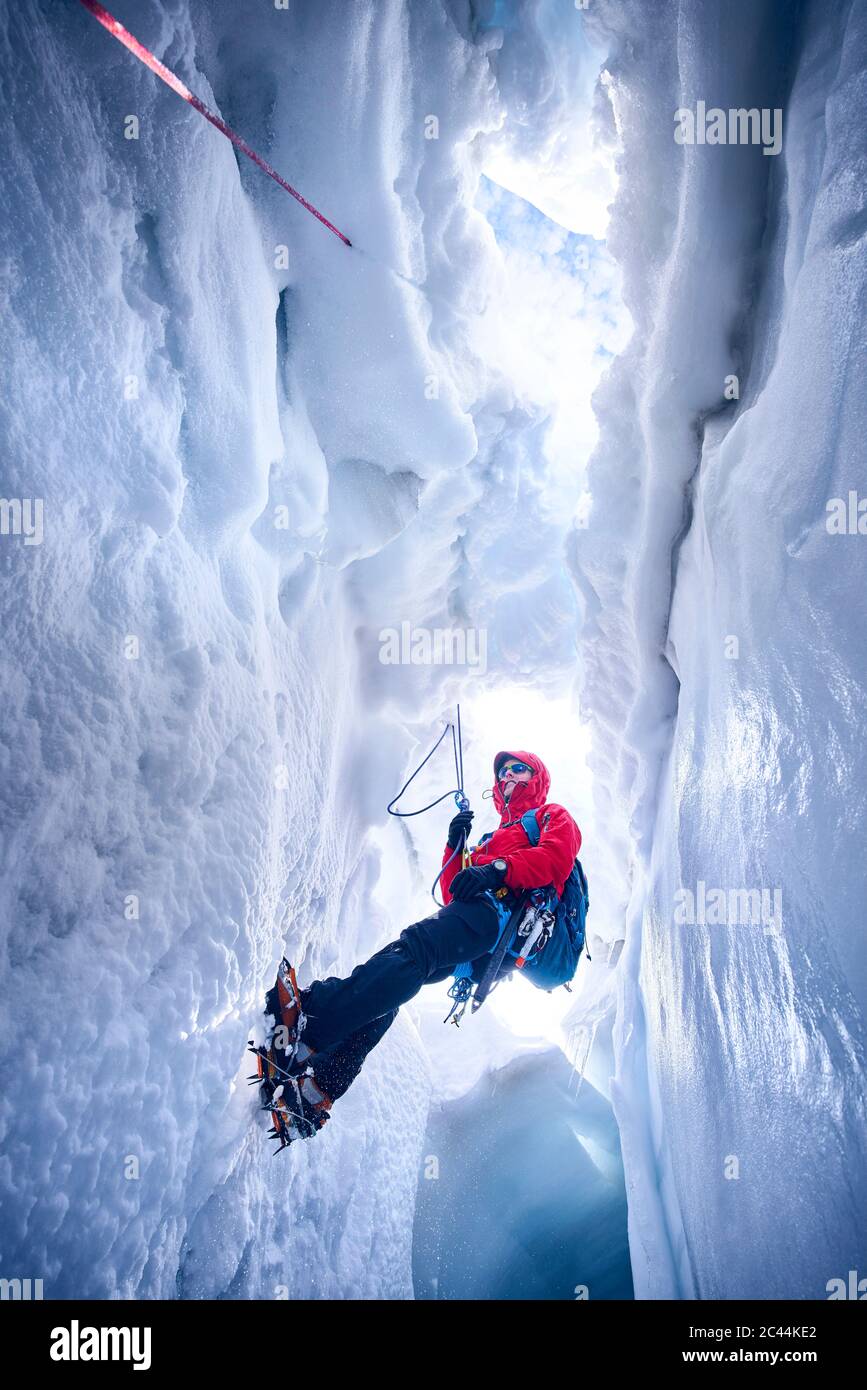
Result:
{"points": [[255, 451]]}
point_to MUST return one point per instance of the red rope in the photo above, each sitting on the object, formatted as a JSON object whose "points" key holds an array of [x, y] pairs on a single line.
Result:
{"points": [[116, 29]]}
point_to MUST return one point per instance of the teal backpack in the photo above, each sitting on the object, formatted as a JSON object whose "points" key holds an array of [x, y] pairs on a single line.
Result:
{"points": [[558, 960], [556, 963]]}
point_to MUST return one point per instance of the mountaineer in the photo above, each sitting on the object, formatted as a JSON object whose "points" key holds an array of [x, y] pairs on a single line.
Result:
{"points": [[323, 1033]]}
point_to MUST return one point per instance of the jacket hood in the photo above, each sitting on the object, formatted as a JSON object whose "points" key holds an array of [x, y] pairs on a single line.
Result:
{"points": [[527, 795]]}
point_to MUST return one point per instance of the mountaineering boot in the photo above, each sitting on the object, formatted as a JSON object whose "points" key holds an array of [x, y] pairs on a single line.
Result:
{"points": [[283, 1055], [298, 1108], [287, 1088]]}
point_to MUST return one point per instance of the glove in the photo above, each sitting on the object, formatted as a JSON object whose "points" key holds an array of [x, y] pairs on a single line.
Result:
{"points": [[474, 881], [461, 825]]}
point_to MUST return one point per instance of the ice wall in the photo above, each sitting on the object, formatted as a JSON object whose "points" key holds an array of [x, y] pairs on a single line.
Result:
{"points": [[252, 449], [176, 689], [739, 1047]]}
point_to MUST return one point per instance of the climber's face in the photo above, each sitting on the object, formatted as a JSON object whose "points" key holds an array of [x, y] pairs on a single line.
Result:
{"points": [[510, 774]]}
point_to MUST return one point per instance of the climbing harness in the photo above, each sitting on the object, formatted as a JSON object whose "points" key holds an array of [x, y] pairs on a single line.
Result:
{"points": [[117, 31], [461, 992]]}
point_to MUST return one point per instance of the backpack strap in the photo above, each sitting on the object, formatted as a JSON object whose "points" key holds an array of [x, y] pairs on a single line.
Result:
{"points": [[582, 878], [530, 824]]}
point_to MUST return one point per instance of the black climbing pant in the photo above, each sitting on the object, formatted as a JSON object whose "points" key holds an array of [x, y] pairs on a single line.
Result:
{"points": [[346, 1018]]}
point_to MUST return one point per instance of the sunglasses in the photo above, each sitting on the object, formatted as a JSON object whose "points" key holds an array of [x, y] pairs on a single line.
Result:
{"points": [[512, 767]]}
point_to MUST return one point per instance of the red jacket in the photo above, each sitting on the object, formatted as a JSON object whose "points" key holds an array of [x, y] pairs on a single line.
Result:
{"points": [[529, 866]]}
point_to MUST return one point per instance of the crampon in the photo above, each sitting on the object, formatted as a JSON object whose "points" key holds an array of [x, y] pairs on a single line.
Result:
{"points": [[287, 1086]]}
